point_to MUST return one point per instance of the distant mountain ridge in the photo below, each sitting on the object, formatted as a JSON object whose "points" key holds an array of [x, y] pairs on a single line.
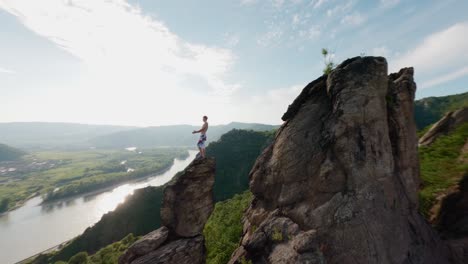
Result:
{"points": [[429, 110], [176, 135], [30, 135], [50, 135]]}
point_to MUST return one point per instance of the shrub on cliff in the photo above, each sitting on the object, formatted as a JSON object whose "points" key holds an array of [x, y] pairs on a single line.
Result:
{"points": [[224, 228]]}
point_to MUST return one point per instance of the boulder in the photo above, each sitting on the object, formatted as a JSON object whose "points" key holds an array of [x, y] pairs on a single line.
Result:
{"points": [[180, 251], [188, 199], [145, 245], [339, 183]]}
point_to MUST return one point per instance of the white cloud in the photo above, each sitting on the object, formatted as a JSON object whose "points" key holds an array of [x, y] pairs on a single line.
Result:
{"points": [[389, 3], [130, 59], [443, 54], [445, 78], [319, 3], [354, 19], [6, 71], [269, 107]]}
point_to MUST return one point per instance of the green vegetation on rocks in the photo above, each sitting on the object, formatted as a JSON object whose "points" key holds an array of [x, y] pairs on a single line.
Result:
{"points": [[107, 255], [441, 166], [224, 228]]}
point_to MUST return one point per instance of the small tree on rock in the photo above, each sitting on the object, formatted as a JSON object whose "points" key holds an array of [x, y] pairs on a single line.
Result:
{"points": [[328, 61]]}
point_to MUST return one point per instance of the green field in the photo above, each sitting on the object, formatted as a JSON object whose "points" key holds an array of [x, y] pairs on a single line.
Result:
{"points": [[60, 174]]}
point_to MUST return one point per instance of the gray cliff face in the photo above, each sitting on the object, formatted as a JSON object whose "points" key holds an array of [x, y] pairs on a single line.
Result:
{"points": [[339, 183], [444, 126], [188, 199], [187, 205]]}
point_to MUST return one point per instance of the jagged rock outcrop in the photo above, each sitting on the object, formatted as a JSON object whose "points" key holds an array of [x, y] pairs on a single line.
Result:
{"points": [[186, 206], [452, 220], [188, 199], [339, 183], [444, 126]]}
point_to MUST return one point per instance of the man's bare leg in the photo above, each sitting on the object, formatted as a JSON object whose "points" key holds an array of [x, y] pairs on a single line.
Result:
{"points": [[202, 152]]}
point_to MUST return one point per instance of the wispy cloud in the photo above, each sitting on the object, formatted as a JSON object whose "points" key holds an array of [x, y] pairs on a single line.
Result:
{"points": [[340, 8], [389, 3], [270, 38], [443, 54], [6, 71], [269, 107], [354, 19], [445, 78], [440, 49], [319, 3], [231, 39]]}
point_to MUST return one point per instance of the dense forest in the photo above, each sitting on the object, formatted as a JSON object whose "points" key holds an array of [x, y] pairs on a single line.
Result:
{"points": [[235, 154]]}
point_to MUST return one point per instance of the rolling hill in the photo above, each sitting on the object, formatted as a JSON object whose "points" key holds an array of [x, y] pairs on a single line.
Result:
{"points": [[176, 135], [429, 110], [52, 135], [8, 153]]}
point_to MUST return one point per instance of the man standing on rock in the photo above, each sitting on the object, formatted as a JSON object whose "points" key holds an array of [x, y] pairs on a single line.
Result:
{"points": [[201, 141]]}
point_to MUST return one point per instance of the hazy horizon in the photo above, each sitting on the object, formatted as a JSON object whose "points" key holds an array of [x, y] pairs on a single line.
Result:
{"points": [[150, 63]]}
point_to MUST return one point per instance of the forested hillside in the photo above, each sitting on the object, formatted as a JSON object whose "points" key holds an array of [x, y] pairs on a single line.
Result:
{"points": [[428, 110], [8, 153], [235, 154]]}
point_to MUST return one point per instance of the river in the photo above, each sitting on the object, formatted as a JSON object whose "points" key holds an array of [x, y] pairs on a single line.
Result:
{"points": [[34, 228]]}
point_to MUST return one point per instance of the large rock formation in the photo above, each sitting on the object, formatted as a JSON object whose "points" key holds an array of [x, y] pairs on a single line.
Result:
{"points": [[448, 123], [187, 205], [339, 183]]}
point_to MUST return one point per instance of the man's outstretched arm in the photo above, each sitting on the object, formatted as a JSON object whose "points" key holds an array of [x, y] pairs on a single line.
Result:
{"points": [[201, 129]]}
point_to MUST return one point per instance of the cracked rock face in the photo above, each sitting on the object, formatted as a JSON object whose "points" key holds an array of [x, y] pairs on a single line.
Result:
{"points": [[188, 199], [187, 205], [339, 183]]}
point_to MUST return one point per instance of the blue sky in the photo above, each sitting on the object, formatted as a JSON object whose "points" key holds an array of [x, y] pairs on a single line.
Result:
{"points": [[154, 62]]}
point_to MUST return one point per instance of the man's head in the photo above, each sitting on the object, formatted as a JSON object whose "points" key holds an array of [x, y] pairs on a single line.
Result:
{"points": [[205, 118]]}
